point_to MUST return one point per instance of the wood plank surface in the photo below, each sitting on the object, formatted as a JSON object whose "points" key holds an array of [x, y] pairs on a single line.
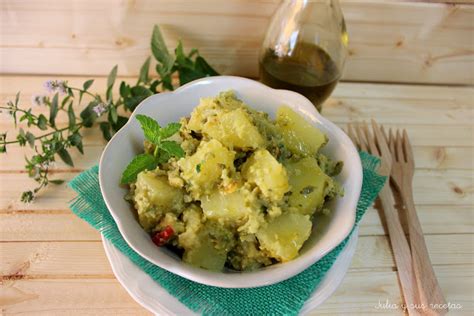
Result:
{"points": [[43, 226], [394, 104], [361, 292], [420, 135], [62, 225], [67, 296], [53, 262], [356, 296], [452, 187], [427, 157], [393, 41], [10, 84], [42, 260]]}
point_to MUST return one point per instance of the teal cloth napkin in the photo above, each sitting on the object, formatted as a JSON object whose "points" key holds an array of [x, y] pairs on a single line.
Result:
{"points": [[284, 298]]}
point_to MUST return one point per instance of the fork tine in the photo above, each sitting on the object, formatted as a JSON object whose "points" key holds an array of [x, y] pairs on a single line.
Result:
{"points": [[391, 144], [380, 139], [370, 140], [362, 141], [399, 147], [408, 150], [387, 140], [352, 136]]}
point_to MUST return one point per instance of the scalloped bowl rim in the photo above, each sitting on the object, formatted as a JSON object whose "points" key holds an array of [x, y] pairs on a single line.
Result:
{"points": [[129, 141]]}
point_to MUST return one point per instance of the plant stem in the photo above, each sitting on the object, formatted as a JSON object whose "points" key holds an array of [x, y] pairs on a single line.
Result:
{"points": [[78, 126], [83, 91], [24, 111], [14, 109]]}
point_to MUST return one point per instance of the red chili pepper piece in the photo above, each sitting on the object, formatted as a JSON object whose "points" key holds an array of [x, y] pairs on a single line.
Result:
{"points": [[161, 238]]}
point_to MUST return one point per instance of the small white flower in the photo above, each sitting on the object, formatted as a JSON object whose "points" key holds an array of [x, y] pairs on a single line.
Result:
{"points": [[49, 86], [36, 173], [48, 164], [62, 87], [56, 86], [39, 99], [100, 109]]}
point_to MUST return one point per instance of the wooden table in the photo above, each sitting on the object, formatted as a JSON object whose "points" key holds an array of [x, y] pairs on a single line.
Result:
{"points": [[53, 263]]}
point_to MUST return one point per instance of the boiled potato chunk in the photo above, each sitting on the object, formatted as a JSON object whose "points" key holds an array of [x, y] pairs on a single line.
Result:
{"points": [[204, 169], [224, 118], [247, 255], [207, 107], [154, 197], [284, 236], [233, 129], [228, 100], [267, 173], [308, 184], [209, 246], [205, 255], [299, 135], [230, 207], [192, 218]]}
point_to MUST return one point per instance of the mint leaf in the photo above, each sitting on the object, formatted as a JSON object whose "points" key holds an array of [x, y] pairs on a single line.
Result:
{"points": [[110, 83], [194, 51], [124, 89], [87, 84], [42, 122], [189, 74], [88, 116], [151, 128], [172, 148], [169, 130], [105, 129], [181, 58], [71, 116], [167, 82], [203, 67], [57, 181], [189, 70], [141, 91], [113, 116], [121, 121], [137, 165], [160, 51], [144, 72], [53, 110], [64, 155], [162, 157], [65, 101], [76, 140], [111, 78], [31, 139], [138, 94]]}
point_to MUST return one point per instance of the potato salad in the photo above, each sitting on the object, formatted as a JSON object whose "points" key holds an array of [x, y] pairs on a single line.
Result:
{"points": [[232, 188]]}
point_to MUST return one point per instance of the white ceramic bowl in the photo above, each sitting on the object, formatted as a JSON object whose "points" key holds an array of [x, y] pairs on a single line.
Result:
{"points": [[328, 231]]}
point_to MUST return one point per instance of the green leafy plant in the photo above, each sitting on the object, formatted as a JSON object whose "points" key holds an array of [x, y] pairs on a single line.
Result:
{"points": [[102, 111], [163, 149]]}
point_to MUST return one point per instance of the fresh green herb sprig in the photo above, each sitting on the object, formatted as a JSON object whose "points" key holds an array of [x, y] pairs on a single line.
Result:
{"points": [[163, 149], [50, 141]]}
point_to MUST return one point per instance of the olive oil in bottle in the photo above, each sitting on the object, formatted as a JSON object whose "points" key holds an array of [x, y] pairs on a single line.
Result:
{"points": [[305, 48], [308, 70]]}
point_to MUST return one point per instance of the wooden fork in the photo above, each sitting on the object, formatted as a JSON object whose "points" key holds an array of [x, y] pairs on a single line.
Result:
{"points": [[377, 146], [402, 173]]}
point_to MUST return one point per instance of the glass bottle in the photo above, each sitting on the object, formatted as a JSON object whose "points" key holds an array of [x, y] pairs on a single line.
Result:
{"points": [[305, 48]]}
